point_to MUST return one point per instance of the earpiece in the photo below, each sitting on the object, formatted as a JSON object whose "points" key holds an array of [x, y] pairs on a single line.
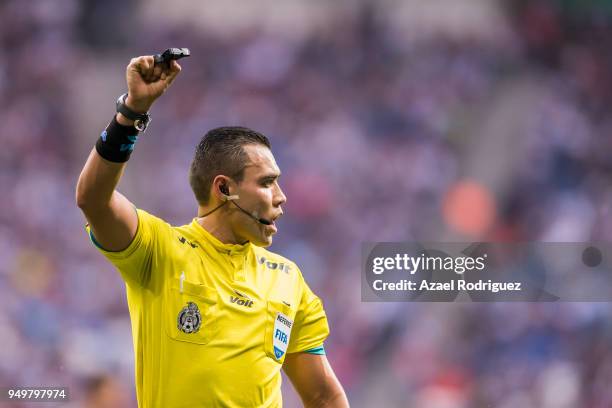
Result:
{"points": [[225, 191]]}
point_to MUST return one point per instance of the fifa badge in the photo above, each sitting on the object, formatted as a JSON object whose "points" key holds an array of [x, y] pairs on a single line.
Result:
{"points": [[282, 332], [189, 319]]}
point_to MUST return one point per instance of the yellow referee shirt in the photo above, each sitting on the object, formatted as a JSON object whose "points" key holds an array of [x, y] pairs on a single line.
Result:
{"points": [[212, 322]]}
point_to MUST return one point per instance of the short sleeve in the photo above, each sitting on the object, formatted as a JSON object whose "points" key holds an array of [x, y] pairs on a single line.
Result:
{"points": [[136, 262], [310, 327]]}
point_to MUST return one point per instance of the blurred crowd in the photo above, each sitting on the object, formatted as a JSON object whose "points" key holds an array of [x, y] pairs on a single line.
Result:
{"points": [[377, 127]]}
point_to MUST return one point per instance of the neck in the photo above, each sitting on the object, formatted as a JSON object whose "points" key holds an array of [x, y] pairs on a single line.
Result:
{"points": [[218, 226]]}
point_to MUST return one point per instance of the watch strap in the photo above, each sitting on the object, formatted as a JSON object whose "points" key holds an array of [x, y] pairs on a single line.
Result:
{"points": [[141, 120]]}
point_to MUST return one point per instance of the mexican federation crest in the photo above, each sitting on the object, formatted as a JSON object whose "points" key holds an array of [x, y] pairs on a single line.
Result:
{"points": [[189, 318]]}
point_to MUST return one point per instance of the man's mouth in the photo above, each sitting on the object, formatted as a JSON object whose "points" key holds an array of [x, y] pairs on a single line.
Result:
{"points": [[272, 225], [270, 229]]}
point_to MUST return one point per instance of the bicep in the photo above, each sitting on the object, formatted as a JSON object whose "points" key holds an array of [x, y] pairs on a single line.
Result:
{"points": [[111, 216], [114, 227], [314, 380]]}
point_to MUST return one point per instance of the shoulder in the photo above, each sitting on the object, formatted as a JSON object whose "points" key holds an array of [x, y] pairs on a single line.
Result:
{"points": [[148, 219], [164, 232]]}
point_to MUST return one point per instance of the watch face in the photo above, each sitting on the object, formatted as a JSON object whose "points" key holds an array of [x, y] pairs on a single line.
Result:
{"points": [[140, 125]]}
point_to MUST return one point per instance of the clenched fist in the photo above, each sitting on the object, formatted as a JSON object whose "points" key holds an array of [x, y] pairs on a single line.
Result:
{"points": [[146, 81]]}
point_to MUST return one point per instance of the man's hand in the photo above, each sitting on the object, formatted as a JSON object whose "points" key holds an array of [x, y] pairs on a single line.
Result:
{"points": [[147, 81]]}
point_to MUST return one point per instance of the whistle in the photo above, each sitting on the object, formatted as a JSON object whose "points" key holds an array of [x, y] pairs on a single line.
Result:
{"points": [[171, 54]]}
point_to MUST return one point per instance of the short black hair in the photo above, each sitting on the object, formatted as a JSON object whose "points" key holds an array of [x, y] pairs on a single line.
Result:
{"points": [[221, 152]]}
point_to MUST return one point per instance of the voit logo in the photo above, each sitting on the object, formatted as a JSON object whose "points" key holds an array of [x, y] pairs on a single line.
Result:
{"points": [[241, 300], [274, 265]]}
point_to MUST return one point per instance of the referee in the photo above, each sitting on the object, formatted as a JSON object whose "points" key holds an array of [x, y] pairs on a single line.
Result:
{"points": [[214, 315]]}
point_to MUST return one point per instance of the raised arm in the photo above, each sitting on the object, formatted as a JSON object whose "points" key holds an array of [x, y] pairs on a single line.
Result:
{"points": [[111, 215]]}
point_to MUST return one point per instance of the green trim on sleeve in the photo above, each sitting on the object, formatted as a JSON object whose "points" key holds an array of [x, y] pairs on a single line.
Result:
{"points": [[96, 243], [107, 251], [320, 351]]}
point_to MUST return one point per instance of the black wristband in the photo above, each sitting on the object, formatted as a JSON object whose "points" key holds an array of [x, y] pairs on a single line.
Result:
{"points": [[116, 142]]}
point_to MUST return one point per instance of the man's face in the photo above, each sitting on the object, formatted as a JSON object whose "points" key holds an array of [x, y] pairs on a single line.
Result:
{"points": [[259, 191]]}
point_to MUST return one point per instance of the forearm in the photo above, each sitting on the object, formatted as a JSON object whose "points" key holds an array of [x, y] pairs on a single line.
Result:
{"points": [[100, 177]]}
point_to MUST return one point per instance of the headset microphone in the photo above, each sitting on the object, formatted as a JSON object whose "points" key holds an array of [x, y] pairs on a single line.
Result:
{"points": [[232, 198], [253, 215]]}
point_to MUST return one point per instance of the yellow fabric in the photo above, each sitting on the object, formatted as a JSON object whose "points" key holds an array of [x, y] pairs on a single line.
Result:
{"points": [[239, 291]]}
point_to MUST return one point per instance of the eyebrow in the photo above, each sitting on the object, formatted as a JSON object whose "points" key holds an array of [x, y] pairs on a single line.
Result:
{"points": [[274, 176]]}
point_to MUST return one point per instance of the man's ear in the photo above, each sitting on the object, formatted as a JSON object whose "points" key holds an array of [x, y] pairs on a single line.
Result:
{"points": [[220, 187]]}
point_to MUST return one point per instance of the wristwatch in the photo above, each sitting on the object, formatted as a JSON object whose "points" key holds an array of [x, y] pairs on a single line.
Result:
{"points": [[141, 120]]}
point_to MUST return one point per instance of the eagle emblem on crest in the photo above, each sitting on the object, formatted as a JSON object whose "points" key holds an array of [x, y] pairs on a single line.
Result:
{"points": [[189, 318]]}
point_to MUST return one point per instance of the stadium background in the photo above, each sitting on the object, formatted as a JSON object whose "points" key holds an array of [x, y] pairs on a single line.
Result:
{"points": [[391, 120]]}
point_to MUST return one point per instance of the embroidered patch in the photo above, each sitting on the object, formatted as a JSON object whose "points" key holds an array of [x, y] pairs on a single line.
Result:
{"points": [[282, 331], [189, 319]]}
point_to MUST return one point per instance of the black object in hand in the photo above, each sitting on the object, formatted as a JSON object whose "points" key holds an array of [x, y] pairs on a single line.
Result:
{"points": [[171, 54]]}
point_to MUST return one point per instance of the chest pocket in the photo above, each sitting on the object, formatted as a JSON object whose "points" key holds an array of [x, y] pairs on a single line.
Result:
{"points": [[279, 323], [189, 312]]}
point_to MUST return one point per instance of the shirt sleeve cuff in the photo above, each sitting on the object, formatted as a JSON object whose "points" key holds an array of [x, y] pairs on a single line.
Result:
{"points": [[320, 351]]}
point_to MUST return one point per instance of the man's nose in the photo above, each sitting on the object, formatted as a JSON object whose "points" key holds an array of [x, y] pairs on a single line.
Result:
{"points": [[279, 197]]}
